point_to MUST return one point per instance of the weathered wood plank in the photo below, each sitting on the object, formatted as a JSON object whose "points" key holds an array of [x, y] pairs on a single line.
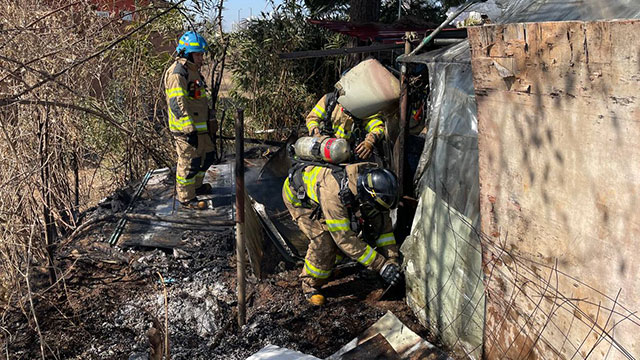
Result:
{"points": [[559, 142]]}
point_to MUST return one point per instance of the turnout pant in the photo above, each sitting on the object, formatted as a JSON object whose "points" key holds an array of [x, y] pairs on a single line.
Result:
{"points": [[322, 252], [192, 164]]}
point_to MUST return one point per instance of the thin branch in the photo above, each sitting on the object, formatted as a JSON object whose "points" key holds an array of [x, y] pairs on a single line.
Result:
{"points": [[166, 318], [13, 99], [51, 13], [76, 107], [29, 292]]}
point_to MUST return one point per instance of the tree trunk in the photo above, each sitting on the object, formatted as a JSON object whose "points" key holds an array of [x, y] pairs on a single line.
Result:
{"points": [[361, 11], [364, 10]]}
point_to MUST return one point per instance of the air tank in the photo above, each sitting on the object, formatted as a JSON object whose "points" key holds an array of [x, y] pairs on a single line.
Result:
{"points": [[367, 89], [331, 150]]}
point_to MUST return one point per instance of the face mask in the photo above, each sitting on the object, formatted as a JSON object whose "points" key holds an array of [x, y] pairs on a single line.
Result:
{"points": [[368, 211]]}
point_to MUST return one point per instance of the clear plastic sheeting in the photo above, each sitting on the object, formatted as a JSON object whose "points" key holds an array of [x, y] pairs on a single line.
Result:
{"points": [[442, 246], [449, 162], [489, 8], [443, 261], [443, 270], [516, 11]]}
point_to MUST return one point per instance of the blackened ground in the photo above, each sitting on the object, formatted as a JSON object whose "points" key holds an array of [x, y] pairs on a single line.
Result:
{"points": [[109, 296]]}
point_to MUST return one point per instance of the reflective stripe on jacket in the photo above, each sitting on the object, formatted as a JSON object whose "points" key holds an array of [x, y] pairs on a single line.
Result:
{"points": [[343, 123], [310, 176], [187, 99], [321, 187]]}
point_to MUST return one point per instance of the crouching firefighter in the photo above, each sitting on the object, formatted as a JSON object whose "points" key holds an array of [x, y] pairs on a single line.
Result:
{"points": [[190, 119], [338, 208]]}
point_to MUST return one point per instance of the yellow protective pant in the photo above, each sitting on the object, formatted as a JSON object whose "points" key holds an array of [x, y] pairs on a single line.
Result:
{"points": [[321, 254], [192, 165]]}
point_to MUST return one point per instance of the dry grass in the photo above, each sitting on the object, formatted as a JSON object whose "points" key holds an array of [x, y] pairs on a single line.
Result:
{"points": [[80, 115]]}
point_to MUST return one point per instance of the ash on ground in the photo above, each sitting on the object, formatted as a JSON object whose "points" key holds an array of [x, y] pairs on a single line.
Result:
{"points": [[109, 298]]}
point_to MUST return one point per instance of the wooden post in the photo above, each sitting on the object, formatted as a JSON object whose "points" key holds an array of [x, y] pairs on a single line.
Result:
{"points": [[76, 182], [240, 255], [398, 149], [50, 233]]}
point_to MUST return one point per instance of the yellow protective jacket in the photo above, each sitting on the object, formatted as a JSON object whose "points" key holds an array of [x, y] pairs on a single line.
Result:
{"points": [[322, 189], [187, 98], [343, 123]]}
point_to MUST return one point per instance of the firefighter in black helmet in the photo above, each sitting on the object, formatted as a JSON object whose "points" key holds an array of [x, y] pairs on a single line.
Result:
{"points": [[343, 213]]}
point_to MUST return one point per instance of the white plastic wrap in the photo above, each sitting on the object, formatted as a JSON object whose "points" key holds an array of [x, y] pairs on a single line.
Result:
{"points": [[449, 162], [447, 183], [368, 88], [443, 261], [516, 11]]}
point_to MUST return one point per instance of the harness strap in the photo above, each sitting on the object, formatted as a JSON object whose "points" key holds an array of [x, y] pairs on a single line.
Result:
{"points": [[347, 198], [331, 101], [339, 173], [316, 213], [296, 182]]}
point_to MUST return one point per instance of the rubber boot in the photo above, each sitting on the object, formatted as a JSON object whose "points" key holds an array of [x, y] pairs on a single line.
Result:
{"points": [[315, 298], [194, 204]]}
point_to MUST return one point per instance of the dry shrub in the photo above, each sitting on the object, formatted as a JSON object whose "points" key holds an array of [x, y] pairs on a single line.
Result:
{"points": [[81, 113]]}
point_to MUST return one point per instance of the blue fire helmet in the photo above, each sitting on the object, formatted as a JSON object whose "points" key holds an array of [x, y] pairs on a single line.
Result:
{"points": [[191, 42]]}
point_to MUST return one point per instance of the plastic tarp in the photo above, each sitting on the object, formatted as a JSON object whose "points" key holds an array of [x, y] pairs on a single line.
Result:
{"points": [[517, 11], [272, 352], [447, 178], [443, 261], [490, 8], [449, 163]]}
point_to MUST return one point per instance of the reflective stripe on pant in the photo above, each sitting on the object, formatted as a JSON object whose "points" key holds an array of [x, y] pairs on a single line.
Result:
{"points": [[192, 165], [322, 250]]}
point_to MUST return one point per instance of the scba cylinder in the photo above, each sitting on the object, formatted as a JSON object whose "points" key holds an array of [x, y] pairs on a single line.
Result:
{"points": [[331, 150]]}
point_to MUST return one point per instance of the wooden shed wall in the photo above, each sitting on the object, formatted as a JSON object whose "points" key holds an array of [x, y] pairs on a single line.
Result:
{"points": [[559, 144]]}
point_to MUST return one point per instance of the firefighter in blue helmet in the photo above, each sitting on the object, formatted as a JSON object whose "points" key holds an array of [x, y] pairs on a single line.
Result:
{"points": [[190, 119]]}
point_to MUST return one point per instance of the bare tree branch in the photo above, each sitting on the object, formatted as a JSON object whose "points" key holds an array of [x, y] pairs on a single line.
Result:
{"points": [[13, 99]]}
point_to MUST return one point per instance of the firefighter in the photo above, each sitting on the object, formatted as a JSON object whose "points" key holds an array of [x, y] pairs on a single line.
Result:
{"points": [[330, 118], [190, 119], [329, 205]]}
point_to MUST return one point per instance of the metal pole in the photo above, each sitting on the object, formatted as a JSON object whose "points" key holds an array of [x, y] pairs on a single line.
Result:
{"points": [[240, 256], [113, 239], [435, 32], [402, 134]]}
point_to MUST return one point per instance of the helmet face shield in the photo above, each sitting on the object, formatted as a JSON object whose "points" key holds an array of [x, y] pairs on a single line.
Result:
{"points": [[368, 210], [378, 188]]}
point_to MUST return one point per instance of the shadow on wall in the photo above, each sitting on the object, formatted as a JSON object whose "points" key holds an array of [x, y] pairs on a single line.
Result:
{"points": [[559, 203]]}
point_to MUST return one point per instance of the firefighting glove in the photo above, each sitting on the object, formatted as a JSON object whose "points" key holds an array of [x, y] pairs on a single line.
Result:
{"points": [[364, 149], [315, 131], [192, 139], [390, 273]]}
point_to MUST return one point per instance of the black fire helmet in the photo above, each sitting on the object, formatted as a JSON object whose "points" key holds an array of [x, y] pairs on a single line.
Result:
{"points": [[378, 188]]}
